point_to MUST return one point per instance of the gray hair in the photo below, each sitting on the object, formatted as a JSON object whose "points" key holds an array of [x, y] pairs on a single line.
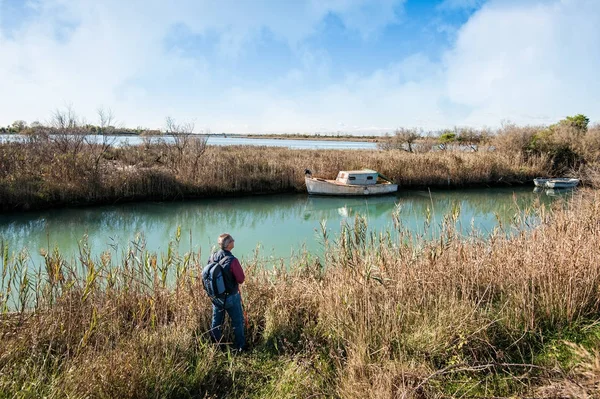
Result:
{"points": [[224, 240]]}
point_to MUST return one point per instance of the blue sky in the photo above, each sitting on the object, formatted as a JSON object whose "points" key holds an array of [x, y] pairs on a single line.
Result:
{"points": [[355, 66]]}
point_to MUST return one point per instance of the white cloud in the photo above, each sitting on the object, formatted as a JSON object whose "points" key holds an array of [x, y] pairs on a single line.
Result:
{"points": [[112, 50], [528, 61]]}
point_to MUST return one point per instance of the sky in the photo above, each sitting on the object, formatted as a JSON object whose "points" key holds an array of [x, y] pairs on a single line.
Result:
{"points": [[293, 66]]}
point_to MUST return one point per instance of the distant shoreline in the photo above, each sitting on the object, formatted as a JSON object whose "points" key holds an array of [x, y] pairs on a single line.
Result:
{"points": [[282, 136]]}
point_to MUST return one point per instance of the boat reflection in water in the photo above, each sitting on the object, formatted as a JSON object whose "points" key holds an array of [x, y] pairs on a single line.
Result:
{"points": [[557, 192], [344, 211], [554, 192], [328, 208], [278, 223]]}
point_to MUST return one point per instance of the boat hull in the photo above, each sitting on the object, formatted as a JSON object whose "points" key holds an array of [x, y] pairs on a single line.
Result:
{"points": [[330, 187], [562, 183], [557, 182]]}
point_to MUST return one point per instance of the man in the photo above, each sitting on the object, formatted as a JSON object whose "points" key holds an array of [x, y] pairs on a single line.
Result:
{"points": [[233, 275]]}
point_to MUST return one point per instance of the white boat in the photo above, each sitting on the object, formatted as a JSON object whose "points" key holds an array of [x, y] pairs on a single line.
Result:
{"points": [[350, 182], [562, 182], [555, 182], [540, 181]]}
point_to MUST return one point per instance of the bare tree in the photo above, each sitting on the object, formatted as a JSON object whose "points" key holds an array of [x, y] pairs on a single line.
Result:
{"points": [[68, 136], [403, 139], [64, 119], [407, 136], [184, 141], [106, 128], [197, 149], [106, 121], [181, 133]]}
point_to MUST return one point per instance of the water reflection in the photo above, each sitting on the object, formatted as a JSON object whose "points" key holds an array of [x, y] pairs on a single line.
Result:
{"points": [[560, 192], [279, 224], [555, 192], [318, 208]]}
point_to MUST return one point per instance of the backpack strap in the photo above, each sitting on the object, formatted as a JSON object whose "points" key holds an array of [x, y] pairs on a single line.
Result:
{"points": [[223, 260], [225, 273], [229, 273], [219, 303], [212, 259]]}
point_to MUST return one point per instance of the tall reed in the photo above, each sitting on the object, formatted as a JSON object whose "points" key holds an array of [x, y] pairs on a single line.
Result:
{"points": [[40, 173], [378, 315]]}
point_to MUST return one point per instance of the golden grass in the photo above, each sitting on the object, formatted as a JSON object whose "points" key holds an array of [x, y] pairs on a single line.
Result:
{"points": [[43, 174], [379, 316]]}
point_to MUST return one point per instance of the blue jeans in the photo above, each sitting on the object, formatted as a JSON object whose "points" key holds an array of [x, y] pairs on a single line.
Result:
{"points": [[233, 306]]}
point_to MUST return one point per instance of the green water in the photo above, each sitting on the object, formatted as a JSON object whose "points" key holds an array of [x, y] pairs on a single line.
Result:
{"points": [[278, 225]]}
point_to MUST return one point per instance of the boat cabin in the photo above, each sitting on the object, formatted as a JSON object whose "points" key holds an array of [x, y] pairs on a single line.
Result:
{"points": [[358, 177]]}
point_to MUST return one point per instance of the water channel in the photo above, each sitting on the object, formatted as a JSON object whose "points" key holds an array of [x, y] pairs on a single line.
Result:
{"points": [[279, 225]]}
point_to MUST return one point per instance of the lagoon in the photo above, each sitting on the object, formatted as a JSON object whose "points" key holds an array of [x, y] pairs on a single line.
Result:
{"points": [[273, 227]]}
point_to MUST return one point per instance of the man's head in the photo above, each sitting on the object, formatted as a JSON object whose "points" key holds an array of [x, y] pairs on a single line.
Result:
{"points": [[226, 241]]}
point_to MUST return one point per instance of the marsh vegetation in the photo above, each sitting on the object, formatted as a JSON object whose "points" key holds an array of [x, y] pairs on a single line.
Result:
{"points": [[380, 315], [59, 165]]}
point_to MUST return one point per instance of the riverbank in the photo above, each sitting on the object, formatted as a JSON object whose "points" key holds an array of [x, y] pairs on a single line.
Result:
{"points": [[376, 317], [45, 173]]}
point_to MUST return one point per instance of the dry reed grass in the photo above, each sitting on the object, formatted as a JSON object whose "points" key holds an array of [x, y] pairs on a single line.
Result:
{"points": [[379, 316], [42, 173], [60, 165]]}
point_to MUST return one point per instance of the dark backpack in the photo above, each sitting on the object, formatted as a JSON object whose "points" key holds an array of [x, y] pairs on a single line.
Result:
{"points": [[213, 278]]}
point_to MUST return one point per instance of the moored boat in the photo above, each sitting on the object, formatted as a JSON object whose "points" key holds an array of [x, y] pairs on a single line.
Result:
{"points": [[555, 182], [562, 182], [540, 181], [351, 182]]}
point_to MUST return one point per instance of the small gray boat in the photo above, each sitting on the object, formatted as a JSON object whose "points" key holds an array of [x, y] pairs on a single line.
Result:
{"points": [[555, 182], [562, 182], [540, 181]]}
